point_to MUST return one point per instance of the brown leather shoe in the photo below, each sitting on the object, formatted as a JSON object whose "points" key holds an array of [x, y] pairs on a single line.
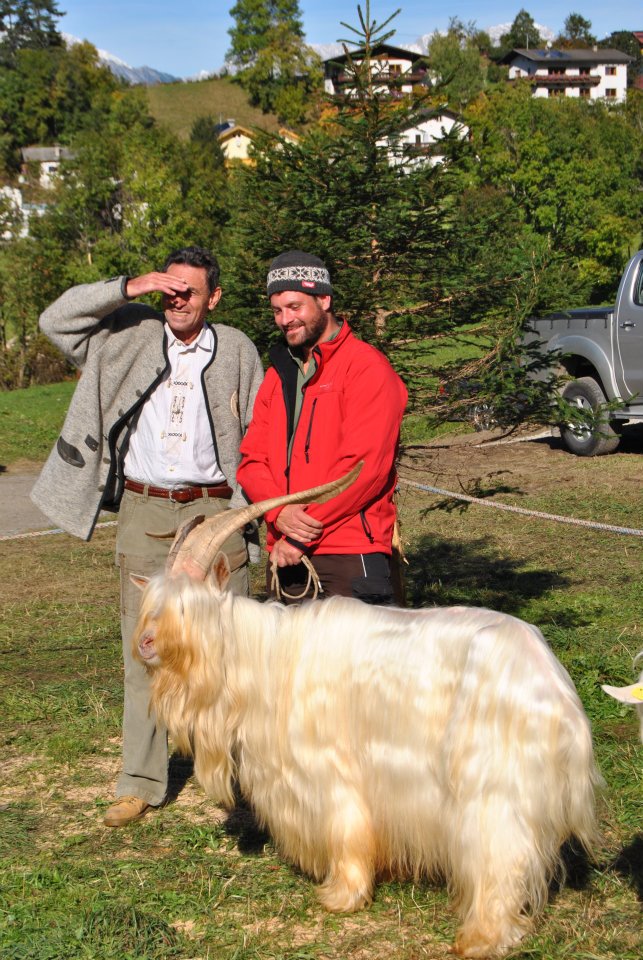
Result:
{"points": [[125, 810]]}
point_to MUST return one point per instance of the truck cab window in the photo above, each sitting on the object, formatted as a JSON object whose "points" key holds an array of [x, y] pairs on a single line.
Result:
{"points": [[638, 289]]}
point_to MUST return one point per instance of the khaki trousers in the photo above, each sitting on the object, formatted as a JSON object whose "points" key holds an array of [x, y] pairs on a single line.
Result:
{"points": [[145, 754]]}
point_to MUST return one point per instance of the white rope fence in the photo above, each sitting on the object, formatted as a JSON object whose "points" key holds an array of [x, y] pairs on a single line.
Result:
{"points": [[47, 533], [607, 527], [438, 491]]}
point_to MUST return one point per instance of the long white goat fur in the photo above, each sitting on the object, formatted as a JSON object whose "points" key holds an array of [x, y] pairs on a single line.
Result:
{"points": [[446, 741]]}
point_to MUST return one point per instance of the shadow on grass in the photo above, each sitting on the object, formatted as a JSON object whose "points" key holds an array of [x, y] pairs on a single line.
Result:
{"points": [[441, 572], [629, 864], [240, 824], [180, 770], [576, 864]]}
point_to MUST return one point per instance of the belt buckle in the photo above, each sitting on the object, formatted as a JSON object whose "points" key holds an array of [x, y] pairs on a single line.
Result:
{"points": [[189, 495]]}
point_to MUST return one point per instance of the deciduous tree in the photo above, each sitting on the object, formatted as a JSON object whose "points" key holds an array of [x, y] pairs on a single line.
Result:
{"points": [[457, 66], [281, 74], [254, 20], [571, 169], [576, 32]]}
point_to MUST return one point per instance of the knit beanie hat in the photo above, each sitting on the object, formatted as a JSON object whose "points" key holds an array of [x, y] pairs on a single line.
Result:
{"points": [[296, 270]]}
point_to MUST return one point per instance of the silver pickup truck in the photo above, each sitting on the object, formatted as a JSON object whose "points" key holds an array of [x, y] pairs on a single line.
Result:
{"points": [[601, 348]]}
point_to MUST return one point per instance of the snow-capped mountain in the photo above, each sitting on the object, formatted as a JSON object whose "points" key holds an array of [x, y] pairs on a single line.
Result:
{"points": [[421, 45], [148, 76], [494, 32], [144, 75]]}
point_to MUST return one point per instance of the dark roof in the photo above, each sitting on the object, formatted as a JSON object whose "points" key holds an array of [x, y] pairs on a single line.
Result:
{"points": [[398, 52], [425, 113], [46, 154], [589, 56]]}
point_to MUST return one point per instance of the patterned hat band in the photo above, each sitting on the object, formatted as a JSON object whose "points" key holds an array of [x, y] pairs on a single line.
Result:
{"points": [[307, 279]]}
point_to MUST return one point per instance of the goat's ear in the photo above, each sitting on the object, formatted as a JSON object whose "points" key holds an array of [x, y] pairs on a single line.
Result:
{"points": [[138, 581], [220, 571], [631, 694]]}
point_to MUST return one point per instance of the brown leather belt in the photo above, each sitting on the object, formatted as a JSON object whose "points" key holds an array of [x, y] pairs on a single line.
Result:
{"points": [[180, 494]]}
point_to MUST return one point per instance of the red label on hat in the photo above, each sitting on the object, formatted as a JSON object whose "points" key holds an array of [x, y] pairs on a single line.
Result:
{"points": [[308, 283]]}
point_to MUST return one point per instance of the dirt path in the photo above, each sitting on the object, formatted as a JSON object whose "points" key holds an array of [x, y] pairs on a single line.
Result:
{"points": [[17, 513], [532, 464]]}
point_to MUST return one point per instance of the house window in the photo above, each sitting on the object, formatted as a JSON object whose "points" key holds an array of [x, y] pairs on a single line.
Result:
{"points": [[395, 69], [556, 92], [584, 71], [610, 93], [583, 92], [556, 72], [418, 138], [610, 71]]}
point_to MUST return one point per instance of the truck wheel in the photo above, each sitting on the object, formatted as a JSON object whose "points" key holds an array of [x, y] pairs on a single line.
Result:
{"points": [[581, 438]]}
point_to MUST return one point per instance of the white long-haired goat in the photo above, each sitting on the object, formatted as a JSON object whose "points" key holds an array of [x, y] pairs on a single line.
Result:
{"points": [[446, 742]]}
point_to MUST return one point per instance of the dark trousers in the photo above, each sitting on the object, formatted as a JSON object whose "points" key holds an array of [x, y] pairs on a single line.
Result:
{"points": [[366, 576]]}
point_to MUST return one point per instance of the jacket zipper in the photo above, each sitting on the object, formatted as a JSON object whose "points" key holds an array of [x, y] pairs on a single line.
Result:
{"points": [[366, 526], [309, 431]]}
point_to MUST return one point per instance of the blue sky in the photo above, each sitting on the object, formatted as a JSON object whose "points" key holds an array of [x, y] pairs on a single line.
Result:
{"points": [[184, 38]]}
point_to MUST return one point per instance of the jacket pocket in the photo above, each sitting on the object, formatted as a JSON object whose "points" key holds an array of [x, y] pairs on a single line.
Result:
{"points": [[69, 453]]}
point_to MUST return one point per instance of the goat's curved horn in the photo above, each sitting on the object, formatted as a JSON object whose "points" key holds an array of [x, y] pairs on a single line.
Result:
{"points": [[181, 536], [195, 553], [178, 536]]}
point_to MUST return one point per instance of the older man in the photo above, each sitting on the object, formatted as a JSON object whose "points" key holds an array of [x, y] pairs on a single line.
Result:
{"points": [[154, 429], [328, 401]]}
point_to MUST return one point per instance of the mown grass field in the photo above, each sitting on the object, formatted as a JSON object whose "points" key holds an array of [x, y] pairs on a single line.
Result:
{"points": [[187, 883], [177, 105], [30, 421]]}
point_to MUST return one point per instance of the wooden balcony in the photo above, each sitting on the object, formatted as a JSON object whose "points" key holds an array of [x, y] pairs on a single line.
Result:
{"points": [[564, 80], [385, 77]]}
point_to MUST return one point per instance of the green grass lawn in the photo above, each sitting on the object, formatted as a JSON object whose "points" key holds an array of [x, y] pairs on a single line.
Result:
{"points": [[30, 421], [177, 105]]}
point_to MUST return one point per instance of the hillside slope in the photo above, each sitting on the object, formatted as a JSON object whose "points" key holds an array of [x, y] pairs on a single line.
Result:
{"points": [[177, 105]]}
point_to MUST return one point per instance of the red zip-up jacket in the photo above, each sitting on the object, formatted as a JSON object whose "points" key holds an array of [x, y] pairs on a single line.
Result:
{"points": [[352, 410]]}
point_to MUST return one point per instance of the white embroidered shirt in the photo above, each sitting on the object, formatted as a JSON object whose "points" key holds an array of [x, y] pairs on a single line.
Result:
{"points": [[171, 442]]}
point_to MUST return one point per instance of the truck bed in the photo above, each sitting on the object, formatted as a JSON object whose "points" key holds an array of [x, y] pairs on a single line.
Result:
{"points": [[572, 319]]}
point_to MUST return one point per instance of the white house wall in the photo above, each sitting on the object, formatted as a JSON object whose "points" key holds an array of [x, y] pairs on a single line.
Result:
{"points": [[425, 134], [524, 68]]}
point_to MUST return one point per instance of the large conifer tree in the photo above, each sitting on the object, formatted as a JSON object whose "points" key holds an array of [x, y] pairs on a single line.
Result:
{"points": [[28, 24]]}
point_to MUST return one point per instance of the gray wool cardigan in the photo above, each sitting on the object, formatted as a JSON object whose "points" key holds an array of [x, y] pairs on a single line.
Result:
{"points": [[120, 347]]}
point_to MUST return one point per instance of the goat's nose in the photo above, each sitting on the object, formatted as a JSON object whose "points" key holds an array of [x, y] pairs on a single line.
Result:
{"points": [[146, 646]]}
